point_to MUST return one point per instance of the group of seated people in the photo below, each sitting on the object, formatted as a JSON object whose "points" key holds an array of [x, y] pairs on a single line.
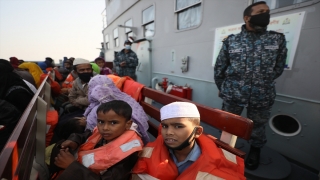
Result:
{"points": [[115, 148], [20, 81], [102, 134]]}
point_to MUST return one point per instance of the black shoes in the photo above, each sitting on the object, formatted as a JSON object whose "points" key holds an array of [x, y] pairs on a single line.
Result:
{"points": [[253, 158]]}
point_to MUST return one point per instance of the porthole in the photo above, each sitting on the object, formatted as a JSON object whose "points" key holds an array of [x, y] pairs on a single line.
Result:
{"points": [[285, 125]]}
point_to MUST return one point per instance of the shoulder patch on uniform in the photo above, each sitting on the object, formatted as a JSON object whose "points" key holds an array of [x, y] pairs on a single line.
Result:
{"points": [[228, 37]]}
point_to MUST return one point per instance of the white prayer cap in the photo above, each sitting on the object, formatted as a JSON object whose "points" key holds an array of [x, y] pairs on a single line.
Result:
{"points": [[78, 61], [179, 109]]}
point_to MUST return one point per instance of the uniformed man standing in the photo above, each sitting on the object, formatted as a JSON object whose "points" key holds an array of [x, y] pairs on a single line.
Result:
{"points": [[245, 70], [126, 61]]}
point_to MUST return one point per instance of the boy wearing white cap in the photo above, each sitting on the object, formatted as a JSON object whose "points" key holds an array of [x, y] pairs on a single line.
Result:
{"points": [[182, 152]]}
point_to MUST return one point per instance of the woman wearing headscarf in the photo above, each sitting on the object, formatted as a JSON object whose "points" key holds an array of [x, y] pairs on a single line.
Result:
{"points": [[34, 70], [14, 62], [101, 90], [13, 89], [21, 72]]}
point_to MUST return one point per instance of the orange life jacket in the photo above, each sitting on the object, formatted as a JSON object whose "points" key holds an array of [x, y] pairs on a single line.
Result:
{"points": [[68, 82], [133, 89], [118, 81], [57, 74], [52, 121], [214, 163], [55, 86], [100, 159]]}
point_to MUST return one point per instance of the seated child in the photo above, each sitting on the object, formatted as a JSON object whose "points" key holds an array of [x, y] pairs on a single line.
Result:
{"points": [[68, 127], [181, 151], [110, 152], [74, 125], [104, 70], [101, 90]]}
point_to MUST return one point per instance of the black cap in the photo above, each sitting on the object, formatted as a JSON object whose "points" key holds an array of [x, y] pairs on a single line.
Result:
{"points": [[49, 59], [127, 42]]}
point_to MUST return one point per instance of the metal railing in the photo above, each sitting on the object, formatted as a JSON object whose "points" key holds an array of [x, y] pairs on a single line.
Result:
{"points": [[26, 145]]}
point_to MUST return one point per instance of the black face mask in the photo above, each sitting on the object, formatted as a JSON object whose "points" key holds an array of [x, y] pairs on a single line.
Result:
{"points": [[186, 143], [85, 77], [260, 21]]}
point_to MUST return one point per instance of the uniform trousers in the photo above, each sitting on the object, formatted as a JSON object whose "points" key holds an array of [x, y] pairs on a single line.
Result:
{"points": [[259, 116]]}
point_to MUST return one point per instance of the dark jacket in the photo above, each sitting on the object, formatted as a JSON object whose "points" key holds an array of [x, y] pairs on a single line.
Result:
{"points": [[13, 89], [119, 171], [9, 117], [20, 97], [247, 66], [131, 60], [25, 75], [63, 70]]}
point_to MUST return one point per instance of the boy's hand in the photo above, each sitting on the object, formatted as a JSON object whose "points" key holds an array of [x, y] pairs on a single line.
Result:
{"points": [[69, 144], [64, 158]]}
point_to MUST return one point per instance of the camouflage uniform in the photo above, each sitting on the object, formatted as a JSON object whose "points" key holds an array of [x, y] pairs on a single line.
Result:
{"points": [[131, 60], [245, 70]]}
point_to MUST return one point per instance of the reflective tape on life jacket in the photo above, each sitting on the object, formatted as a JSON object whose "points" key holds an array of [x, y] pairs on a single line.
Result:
{"points": [[200, 176], [143, 177], [214, 163], [100, 159]]}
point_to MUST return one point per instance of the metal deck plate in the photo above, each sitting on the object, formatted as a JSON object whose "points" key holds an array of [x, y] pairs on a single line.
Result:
{"points": [[273, 166]]}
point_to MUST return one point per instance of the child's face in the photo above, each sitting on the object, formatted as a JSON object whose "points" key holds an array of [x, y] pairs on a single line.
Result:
{"points": [[100, 63], [176, 130], [112, 125]]}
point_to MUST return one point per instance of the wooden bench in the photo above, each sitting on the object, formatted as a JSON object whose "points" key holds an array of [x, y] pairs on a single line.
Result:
{"points": [[232, 126], [26, 146]]}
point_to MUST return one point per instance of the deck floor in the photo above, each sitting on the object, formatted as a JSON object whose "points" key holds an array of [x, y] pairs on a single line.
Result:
{"points": [[299, 173]]}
